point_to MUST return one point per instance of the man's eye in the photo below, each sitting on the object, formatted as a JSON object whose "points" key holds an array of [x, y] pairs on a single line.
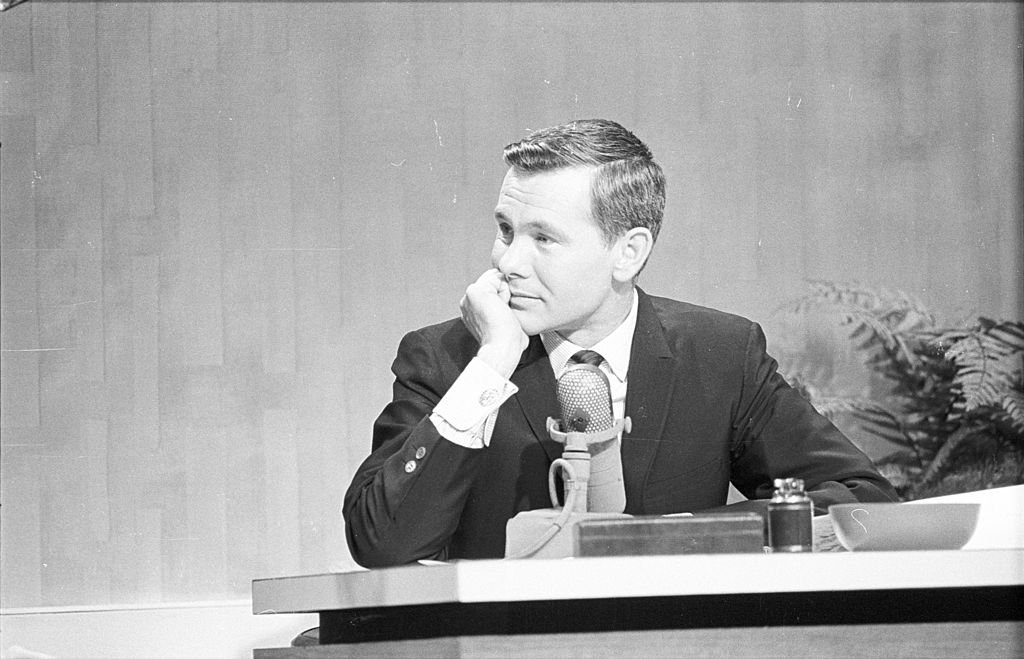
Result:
{"points": [[505, 232]]}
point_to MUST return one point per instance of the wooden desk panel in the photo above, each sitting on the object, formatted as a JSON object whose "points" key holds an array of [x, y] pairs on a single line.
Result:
{"points": [[993, 640]]}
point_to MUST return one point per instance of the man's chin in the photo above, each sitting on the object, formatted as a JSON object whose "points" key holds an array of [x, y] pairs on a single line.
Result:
{"points": [[531, 325]]}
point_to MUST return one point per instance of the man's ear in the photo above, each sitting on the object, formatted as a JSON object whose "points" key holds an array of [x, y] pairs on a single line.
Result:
{"points": [[633, 249]]}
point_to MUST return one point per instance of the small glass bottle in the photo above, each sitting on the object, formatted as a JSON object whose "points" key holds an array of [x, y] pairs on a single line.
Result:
{"points": [[789, 517]]}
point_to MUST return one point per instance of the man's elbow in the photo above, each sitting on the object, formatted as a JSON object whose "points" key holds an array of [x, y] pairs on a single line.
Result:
{"points": [[874, 489], [369, 552], [375, 547]]}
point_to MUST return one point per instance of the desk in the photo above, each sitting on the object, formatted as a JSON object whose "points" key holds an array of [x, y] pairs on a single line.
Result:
{"points": [[926, 603], [829, 596]]}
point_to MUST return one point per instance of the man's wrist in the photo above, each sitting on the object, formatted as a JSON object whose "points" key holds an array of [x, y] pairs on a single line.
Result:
{"points": [[462, 413], [502, 358]]}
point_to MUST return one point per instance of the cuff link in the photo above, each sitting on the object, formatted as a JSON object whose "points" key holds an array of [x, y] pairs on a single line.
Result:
{"points": [[487, 397]]}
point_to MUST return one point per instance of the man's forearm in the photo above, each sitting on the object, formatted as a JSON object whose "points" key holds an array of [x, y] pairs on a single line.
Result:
{"points": [[407, 497]]}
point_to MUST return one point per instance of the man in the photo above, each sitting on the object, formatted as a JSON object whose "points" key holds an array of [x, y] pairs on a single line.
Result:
{"points": [[463, 445]]}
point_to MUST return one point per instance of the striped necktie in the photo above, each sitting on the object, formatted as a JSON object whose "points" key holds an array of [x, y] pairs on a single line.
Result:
{"points": [[587, 357]]}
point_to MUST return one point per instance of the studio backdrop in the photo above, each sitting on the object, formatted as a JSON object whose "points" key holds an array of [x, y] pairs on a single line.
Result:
{"points": [[218, 219]]}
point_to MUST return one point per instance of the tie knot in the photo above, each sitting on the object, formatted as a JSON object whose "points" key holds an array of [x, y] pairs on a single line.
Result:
{"points": [[587, 357]]}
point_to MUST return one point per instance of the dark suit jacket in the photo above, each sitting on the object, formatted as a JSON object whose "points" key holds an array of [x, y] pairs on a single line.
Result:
{"points": [[707, 406]]}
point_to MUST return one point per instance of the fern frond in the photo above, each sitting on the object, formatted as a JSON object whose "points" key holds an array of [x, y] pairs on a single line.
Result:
{"points": [[938, 464], [878, 317], [1013, 404], [989, 363], [897, 308], [879, 421]]}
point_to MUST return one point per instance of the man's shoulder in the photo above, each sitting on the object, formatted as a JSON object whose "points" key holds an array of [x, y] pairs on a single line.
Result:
{"points": [[436, 331], [689, 317], [694, 332]]}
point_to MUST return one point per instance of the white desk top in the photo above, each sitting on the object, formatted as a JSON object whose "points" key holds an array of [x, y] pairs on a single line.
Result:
{"points": [[640, 576]]}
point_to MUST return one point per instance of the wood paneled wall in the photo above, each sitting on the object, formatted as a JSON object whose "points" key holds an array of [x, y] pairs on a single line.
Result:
{"points": [[218, 219]]}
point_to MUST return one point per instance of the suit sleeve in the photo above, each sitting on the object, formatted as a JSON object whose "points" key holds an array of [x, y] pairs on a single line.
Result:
{"points": [[406, 498], [778, 434]]}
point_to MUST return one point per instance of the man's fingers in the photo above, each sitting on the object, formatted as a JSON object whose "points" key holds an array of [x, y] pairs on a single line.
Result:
{"points": [[490, 282], [504, 292], [492, 279]]}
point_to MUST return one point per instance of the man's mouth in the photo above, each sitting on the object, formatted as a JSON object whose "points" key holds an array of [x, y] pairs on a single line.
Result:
{"points": [[520, 299]]}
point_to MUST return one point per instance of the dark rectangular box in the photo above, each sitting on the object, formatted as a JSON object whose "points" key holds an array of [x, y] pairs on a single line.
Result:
{"points": [[718, 533]]}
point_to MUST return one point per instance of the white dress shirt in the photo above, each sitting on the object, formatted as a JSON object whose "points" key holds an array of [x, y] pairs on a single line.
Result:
{"points": [[466, 413]]}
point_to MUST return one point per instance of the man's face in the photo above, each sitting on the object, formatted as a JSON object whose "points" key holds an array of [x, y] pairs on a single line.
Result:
{"points": [[553, 255]]}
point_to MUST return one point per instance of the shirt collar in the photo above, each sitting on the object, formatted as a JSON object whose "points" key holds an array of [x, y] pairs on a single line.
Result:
{"points": [[615, 348]]}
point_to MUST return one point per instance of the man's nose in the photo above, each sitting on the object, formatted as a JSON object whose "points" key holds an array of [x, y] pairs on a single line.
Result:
{"points": [[511, 260]]}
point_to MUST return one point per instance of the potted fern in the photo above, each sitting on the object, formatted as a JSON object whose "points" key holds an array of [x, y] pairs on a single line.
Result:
{"points": [[951, 400]]}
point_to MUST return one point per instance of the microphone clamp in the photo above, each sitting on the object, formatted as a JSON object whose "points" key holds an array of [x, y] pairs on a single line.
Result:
{"points": [[582, 440]]}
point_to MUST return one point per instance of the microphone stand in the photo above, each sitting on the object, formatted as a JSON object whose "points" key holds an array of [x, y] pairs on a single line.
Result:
{"points": [[575, 466], [579, 448]]}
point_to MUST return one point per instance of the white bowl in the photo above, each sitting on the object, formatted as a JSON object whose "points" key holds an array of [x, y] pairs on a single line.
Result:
{"points": [[900, 527]]}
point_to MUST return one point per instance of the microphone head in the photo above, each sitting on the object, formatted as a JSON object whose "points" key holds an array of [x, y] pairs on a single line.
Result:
{"points": [[585, 399]]}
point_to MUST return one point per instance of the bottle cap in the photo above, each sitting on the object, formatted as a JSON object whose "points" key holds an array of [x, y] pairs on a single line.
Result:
{"points": [[789, 484]]}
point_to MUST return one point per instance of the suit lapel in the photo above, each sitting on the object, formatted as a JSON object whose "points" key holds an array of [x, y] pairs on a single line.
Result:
{"points": [[537, 396], [649, 393], [648, 397]]}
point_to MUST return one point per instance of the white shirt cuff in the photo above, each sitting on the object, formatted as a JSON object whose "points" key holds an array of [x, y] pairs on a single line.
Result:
{"points": [[466, 413]]}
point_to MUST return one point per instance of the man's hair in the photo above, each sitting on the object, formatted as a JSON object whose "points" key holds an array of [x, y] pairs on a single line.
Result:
{"points": [[628, 187]]}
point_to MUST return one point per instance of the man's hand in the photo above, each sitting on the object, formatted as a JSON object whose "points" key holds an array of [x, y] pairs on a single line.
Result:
{"points": [[486, 313]]}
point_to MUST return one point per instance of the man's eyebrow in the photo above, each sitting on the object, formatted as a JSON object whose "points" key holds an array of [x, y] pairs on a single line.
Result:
{"points": [[539, 225]]}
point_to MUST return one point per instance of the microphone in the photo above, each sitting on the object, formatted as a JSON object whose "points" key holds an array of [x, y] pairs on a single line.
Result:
{"points": [[585, 398], [590, 466], [589, 432]]}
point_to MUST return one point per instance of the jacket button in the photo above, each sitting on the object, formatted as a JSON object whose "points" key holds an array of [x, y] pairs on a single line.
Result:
{"points": [[420, 452], [410, 466]]}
